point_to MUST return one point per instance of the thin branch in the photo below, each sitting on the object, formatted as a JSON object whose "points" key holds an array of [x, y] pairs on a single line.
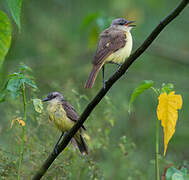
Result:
{"points": [[109, 84]]}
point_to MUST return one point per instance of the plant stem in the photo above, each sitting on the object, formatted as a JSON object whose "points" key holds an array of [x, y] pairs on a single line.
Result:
{"points": [[157, 151], [155, 90], [23, 133]]}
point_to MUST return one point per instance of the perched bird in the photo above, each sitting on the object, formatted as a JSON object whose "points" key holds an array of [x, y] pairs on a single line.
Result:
{"points": [[64, 116], [114, 46]]}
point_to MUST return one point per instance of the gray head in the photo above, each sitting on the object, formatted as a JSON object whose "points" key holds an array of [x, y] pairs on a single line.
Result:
{"points": [[123, 23], [54, 95]]}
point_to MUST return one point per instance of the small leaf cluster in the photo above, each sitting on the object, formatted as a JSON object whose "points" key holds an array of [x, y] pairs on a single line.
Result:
{"points": [[16, 81], [147, 84], [173, 173], [167, 110]]}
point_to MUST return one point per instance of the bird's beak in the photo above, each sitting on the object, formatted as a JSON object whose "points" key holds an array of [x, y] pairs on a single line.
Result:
{"points": [[45, 99], [129, 24]]}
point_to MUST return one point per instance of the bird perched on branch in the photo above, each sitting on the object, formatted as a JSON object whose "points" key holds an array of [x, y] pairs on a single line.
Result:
{"points": [[114, 46], [64, 116]]}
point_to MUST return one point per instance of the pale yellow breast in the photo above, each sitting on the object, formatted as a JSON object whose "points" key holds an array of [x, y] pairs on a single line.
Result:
{"points": [[58, 116], [123, 53]]}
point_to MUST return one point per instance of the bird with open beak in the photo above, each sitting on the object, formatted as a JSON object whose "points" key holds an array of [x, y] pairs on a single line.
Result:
{"points": [[114, 46]]}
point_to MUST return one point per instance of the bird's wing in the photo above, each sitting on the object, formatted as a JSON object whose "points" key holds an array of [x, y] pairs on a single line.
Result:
{"points": [[110, 41], [71, 112]]}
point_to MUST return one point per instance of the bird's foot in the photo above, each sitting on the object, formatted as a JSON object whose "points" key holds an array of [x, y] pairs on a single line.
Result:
{"points": [[56, 146]]}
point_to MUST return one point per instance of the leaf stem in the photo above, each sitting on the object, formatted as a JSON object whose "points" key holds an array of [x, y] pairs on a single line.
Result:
{"points": [[155, 90], [157, 151], [23, 133]]}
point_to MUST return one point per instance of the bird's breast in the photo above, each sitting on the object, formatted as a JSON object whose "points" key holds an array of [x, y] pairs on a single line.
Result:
{"points": [[58, 115], [120, 55]]}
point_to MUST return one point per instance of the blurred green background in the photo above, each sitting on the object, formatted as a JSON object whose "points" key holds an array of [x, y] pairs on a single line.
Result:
{"points": [[58, 40]]}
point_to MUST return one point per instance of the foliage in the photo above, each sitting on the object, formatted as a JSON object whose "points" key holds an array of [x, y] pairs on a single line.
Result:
{"points": [[15, 85], [167, 108], [140, 89], [15, 9], [177, 174], [6, 28], [19, 120], [5, 36], [15, 82], [38, 106], [167, 112]]}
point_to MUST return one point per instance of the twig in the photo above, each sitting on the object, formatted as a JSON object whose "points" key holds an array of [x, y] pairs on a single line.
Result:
{"points": [[157, 151], [109, 84], [23, 133]]}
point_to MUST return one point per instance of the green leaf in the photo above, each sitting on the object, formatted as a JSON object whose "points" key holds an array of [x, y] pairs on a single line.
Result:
{"points": [[13, 87], [167, 88], [15, 10], [24, 67], [170, 172], [2, 96], [5, 36], [175, 174], [28, 82], [146, 84], [112, 122], [184, 170], [13, 75], [38, 105]]}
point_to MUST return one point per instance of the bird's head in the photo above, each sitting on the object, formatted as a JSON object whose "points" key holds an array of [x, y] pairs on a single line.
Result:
{"points": [[123, 24], [54, 96]]}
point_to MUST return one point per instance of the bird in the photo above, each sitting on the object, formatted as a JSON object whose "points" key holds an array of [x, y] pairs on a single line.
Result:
{"points": [[64, 116], [114, 46]]}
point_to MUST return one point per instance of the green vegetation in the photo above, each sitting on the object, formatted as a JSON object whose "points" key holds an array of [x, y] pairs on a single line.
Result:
{"points": [[57, 40]]}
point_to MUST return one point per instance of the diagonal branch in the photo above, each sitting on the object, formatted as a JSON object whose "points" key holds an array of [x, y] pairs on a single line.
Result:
{"points": [[109, 84]]}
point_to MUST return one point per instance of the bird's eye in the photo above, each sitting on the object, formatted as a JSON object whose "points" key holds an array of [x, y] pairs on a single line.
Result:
{"points": [[121, 23], [54, 96], [51, 96]]}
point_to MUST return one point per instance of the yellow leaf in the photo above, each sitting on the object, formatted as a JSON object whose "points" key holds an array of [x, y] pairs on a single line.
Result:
{"points": [[38, 105], [167, 112], [19, 120], [12, 123]]}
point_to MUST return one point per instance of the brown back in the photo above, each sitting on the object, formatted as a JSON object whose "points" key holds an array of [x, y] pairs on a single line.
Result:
{"points": [[110, 40]]}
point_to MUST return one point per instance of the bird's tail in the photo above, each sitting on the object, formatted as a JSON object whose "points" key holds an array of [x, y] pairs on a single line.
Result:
{"points": [[92, 77], [81, 144]]}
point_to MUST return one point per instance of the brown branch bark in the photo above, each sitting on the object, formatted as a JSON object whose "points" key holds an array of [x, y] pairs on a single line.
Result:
{"points": [[109, 84]]}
